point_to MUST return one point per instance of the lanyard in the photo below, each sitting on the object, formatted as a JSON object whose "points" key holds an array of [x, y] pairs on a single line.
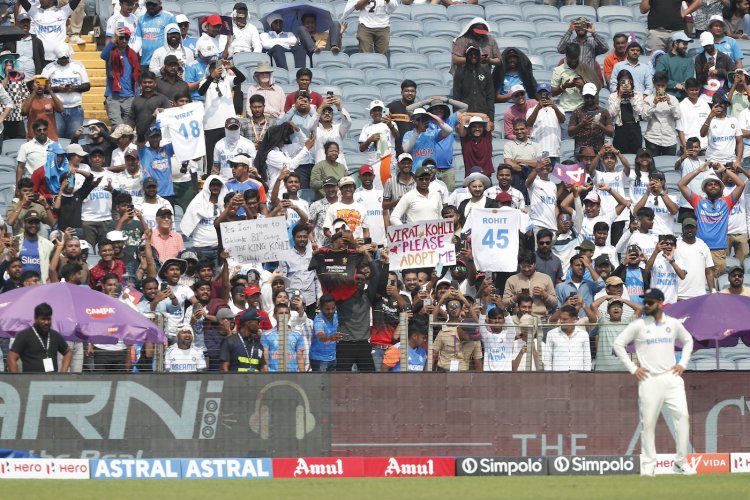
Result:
{"points": [[244, 346], [258, 137], [46, 348]]}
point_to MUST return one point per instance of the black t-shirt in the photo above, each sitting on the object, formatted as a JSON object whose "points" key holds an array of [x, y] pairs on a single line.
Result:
{"points": [[31, 350], [666, 14], [336, 271], [244, 354], [397, 111]]}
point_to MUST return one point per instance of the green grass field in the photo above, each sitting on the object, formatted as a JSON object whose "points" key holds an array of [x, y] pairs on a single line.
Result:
{"points": [[717, 487]]}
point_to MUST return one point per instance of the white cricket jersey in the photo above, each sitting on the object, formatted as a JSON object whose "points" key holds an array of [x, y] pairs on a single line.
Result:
{"points": [[616, 181], [149, 209], [518, 201], [636, 190], [692, 117], [184, 360], [183, 127], [543, 206], [72, 73], [97, 207], [654, 344], [377, 13], [174, 320], [373, 153], [696, 258], [292, 217], [664, 277], [722, 134], [49, 27], [372, 200], [218, 103], [546, 130], [498, 347], [224, 152], [737, 216], [587, 226], [646, 241], [663, 220]]}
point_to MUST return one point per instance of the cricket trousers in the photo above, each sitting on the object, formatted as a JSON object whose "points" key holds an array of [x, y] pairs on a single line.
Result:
{"points": [[657, 390]]}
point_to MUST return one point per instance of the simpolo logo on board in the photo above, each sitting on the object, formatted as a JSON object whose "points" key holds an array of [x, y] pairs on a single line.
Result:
{"points": [[601, 466], [501, 466]]}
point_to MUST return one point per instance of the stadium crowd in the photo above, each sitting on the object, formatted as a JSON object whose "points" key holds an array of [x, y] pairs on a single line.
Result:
{"points": [[189, 132]]}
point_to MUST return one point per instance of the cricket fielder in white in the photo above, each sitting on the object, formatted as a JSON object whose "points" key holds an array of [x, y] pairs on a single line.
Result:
{"points": [[660, 380]]}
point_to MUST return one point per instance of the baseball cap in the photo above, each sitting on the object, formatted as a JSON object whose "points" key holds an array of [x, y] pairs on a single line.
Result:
{"points": [[614, 281], [377, 103], [657, 175], [75, 149], [734, 269], [185, 327], [543, 87], [330, 181], [84, 245], [250, 314], [181, 18], [232, 121], [586, 245], [592, 197], [131, 151], [116, 236], [122, 129], [153, 132], [346, 180], [339, 224], [589, 89], [429, 162], [214, 20], [241, 159], [680, 36], [171, 59], [689, 221], [601, 260], [720, 97], [405, 156], [422, 171], [151, 181], [251, 290], [469, 48], [643, 152], [365, 169], [23, 16], [32, 215], [419, 113], [96, 150], [504, 197], [517, 88], [706, 38], [163, 211], [225, 313], [653, 294], [206, 47], [480, 28]]}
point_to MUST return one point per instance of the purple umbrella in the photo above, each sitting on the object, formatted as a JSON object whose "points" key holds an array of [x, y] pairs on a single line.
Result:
{"points": [[78, 313]]}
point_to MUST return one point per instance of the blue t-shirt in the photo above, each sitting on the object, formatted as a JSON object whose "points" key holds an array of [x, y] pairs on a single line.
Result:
{"points": [[324, 351], [444, 149], [126, 86], [713, 219], [151, 31], [634, 284], [235, 186], [416, 358], [729, 47], [194, 73], [30, 256], [424, 147], [156, 164], [270, 341], [509, 80]]}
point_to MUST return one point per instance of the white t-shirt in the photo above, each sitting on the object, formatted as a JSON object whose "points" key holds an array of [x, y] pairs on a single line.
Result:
{"points": [[97, 207], [354, 214], [184, 360], [149, 209], [744, 120], [737, 216], [636, 191], [72, 73], [722, 136], [174, 320], [498, 347], [646, 241], [131, 184], [292, 217], [372, 200], [587, 226], [218, 108], [223, 153], [609, 251], [377, 13], [49, 27], [664, 277], [460, 194], [616, 181], [518, 201], [543, 206], [689, 165], [692, 117], [696, 258], [546, 130], [373, 155], [663, 220]]}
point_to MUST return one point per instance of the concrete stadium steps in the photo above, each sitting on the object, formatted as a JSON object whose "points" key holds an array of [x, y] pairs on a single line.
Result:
{"points": [[88, 54]]}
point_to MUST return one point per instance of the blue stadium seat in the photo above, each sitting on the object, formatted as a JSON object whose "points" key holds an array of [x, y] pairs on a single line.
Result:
{"points": [[402, 13], [442, 29], [194, 10], [462, 13], [570, 12], [499, 13], [537, 62], [320, 77], [552, 30], [390, 92], [405, 28], [381, 76], [543, 75], [518, 42], [543, 46], [356, 110], [173, 7], [744, 46], [282, 75], [225, 8], [536, 13], [365, 61], [356, 160], [330, 60], [639, 29], [264, 8], [336, 89], [401, 45], [350, 44], [440, 61], [430, 90], [11, 146], [610, 13], [519, 28], [637, 15], [8, 164], [425, 76], [362, 94], [428, 12], [406, 61], [666, 164], [432, 45], [347, 76], [447, 77], [552, 60], [247, 61], [357, 125]]}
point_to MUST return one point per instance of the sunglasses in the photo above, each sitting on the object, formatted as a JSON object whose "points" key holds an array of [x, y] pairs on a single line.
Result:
{"points": [[649, 302]]}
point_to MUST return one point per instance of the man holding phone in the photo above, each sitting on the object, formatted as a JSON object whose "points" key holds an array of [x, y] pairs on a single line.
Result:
{"points": [[590, 46], [723, 132]]}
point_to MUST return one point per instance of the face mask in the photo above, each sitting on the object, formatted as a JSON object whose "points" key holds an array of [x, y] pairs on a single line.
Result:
{"points": [[232, 135]]}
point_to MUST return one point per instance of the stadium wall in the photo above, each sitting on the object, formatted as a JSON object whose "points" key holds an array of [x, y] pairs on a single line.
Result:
{"points": [[357, 415]]}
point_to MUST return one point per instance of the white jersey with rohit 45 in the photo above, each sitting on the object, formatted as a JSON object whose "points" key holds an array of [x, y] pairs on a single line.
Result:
{"points": [[654, 344]]}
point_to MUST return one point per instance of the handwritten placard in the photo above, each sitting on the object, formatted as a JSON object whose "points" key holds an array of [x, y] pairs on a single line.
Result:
{"points": [[421, 244], [256, 241]]}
